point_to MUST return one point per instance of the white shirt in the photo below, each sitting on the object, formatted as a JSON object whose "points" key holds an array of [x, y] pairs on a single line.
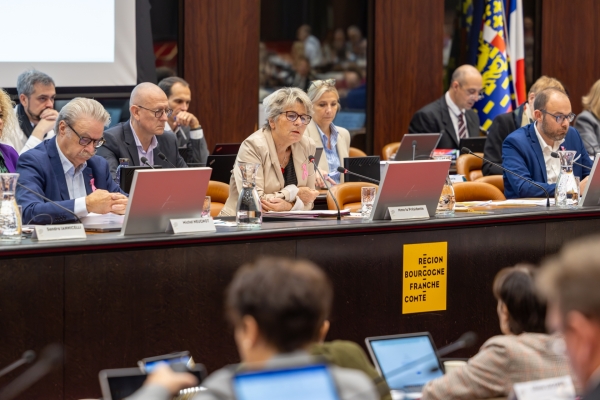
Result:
{"points": [[552, 164], [75, 183], [196, 134], [149, 154], [454, 113], [19, 141]]}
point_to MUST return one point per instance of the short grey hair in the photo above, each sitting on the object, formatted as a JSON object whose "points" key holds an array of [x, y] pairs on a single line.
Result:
{"points": [[27, 80], [319, 88], [81, 107], [278, 101]]}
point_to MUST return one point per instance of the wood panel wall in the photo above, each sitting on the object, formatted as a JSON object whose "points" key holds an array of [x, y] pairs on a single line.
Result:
{"points": [[570, 47], [407, 64], [220, 47]]}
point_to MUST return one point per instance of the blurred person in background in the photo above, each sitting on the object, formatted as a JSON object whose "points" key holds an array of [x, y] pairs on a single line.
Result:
{"points": [[588, 122]]}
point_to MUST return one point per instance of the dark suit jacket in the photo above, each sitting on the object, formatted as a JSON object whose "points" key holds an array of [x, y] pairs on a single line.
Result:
{"points": [[503, 125], [42, 171], [594, 394], [522, 153], [435, 117], [121, 144], [197, 148]]}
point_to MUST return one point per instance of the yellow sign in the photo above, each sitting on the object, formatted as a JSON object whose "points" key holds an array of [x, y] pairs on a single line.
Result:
{"points": [[424, 277]]}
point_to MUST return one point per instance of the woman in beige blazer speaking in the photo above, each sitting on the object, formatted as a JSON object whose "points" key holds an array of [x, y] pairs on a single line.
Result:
{"points": [[286, 179], [334, 139]]}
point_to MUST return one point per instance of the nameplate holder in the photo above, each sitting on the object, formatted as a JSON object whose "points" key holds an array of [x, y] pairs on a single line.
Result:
{"points": [[408, 212], [191, 225], [553, 388], [59, 232]]}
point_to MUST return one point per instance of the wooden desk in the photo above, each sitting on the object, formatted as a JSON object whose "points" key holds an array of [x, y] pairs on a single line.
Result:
{"points": [[113, 300]]}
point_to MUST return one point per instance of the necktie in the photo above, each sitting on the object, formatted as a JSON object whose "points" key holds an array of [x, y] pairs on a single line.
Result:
{"points": [[462, 127]]}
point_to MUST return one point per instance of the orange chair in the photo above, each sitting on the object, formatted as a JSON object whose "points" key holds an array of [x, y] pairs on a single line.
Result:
{"points": [[495, 180], [347, 195], [354, 152], [218, 192], [388, 150], [469, 166], [476, 191]]}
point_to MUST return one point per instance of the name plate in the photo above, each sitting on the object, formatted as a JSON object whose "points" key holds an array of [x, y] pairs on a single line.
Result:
{"points": [[408, 212], [59, 232], [553, 388], [189, 225]]}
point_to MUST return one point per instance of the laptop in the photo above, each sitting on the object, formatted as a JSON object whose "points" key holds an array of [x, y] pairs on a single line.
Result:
{"points": [[126, 175], [591, 195], [406, 361], [158, 195], [475, 144], [367, 166], [118, 384], [425, 143], [221, 165], [226, 148], [410, 183], [296, 383], [318, 155]]}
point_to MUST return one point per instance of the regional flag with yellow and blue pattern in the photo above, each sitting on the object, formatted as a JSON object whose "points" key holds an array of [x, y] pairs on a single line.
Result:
{"points": [[493, 65]]}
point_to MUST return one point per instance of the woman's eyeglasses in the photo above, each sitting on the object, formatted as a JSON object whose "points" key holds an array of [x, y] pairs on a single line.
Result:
{"points": [[293, 116]]}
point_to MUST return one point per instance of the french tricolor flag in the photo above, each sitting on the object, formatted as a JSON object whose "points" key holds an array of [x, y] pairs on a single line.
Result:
{"points": [[516, 48]]}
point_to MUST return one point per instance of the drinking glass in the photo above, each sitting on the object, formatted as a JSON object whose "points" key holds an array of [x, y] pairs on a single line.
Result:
{"points": [[367, 197], [206, 207]]}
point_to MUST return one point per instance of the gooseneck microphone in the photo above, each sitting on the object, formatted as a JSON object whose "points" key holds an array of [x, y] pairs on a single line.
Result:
{"points": [[49, 201], [414, 148], [465, 150], [26, 358], [164, 158], [555, 155], [345, 171], [311, 158], [144, 161]]}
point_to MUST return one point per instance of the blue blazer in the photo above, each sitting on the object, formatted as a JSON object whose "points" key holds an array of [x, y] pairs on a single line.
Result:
{"points": [[522, 153], [42, 171]]}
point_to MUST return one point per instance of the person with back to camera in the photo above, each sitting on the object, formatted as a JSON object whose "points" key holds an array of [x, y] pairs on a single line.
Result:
{"points": [[286, 178], [524, 352], [277, 308], [334, 139]]}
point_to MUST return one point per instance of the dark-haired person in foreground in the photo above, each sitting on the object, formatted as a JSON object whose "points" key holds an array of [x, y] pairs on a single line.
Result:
{"points": [[278, 308], [525, 352]]}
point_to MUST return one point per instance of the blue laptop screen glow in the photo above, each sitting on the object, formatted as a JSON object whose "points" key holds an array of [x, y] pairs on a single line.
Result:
{"points": [[392, 354], [311, 382]]}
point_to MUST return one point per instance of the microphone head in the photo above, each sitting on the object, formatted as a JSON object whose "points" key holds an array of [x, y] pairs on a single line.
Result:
{"points": [[144, 160], [554, 154], [311, 158], [468, 338], [162, 156], [341, 170], [465, 150], [29, 356]]}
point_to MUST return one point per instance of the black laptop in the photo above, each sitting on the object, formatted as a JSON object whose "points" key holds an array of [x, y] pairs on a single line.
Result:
{"points": [[475, 144], [226, 148], [367, 166], [221, 167], [126, 176]]}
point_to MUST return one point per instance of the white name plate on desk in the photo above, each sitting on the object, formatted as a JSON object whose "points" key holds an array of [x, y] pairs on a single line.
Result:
{"points": [[553, 388], [189, 225], [408, 212], [59, 232]]}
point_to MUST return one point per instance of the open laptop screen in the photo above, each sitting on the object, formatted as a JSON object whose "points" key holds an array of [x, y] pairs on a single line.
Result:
{"points": [[309, 382], [415, 352]]}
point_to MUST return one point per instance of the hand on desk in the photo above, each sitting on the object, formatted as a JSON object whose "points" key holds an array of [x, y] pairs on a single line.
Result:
{"points": [[276, 204], [173, 381], [103, 202], [307, 195], [319, 182]]}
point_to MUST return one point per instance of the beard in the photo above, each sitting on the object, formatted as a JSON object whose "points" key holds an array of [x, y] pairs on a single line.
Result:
{"points": [[556, 134]]}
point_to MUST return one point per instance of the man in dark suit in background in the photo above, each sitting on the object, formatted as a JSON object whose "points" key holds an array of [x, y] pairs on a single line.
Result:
{"points": [[451, 115], [505, 124], [184, 124], [143, 135], [65, 169]]}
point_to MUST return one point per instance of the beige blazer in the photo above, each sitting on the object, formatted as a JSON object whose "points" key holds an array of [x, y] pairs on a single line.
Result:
{"points": [[343, 145], [260, 148]]}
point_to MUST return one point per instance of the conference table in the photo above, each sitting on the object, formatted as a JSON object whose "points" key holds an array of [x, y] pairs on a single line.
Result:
{"points": [[112, 300]]}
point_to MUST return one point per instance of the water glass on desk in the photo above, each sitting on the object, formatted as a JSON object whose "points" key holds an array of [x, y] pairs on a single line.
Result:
{"points": [[367, 198], [206, 207]]}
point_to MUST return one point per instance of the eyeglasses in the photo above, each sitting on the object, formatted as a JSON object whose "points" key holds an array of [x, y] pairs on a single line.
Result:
{"points": [[158, 113], [473, 93], [560, 118], [84, 141], [293, 116], [328, 82]]}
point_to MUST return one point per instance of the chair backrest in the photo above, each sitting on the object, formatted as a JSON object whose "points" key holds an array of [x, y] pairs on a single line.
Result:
{"points": [[476, 191], [388, 150], [496, 180], [469, 166], [347, 195], [218, 192], [354, 152]]}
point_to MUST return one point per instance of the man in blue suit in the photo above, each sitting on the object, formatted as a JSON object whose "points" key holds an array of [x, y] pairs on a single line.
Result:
{"points": [[527, 151], [66, 170]]}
